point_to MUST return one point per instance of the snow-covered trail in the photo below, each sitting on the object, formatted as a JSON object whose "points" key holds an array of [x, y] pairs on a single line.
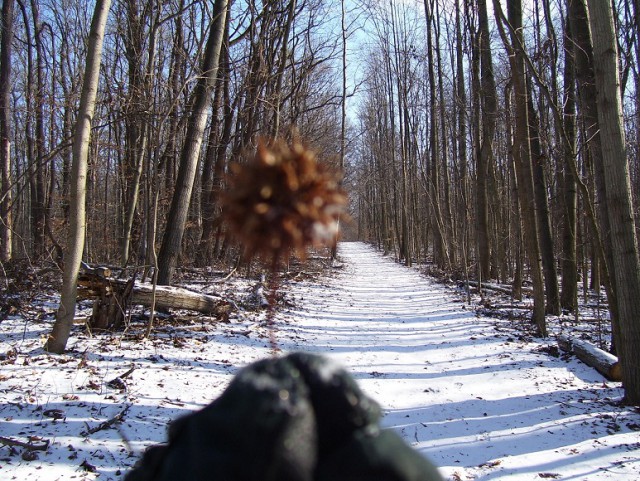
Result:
{"points": [[477, 401], [482, 402]]}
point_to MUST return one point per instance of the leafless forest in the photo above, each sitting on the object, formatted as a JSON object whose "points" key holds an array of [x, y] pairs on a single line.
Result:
{"points": [[495, 141]]}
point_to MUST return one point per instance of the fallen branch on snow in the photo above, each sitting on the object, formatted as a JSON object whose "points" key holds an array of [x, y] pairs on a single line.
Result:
{"points": [[107, 424], [27, 446], [492, 287], [118, 381]]}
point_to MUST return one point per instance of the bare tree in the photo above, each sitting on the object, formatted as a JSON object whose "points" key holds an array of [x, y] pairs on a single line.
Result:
{"points": [[547, 251], [177, 217], [588, 109], [6, 221], [488, 112], [522, 156], [75, 241], [569, 297], [626, 264]]}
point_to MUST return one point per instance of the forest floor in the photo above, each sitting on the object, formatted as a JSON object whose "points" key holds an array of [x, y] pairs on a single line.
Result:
{"points": [[478, 395]]}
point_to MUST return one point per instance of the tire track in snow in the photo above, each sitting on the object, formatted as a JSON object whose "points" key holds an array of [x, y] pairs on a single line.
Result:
{"points": [[479, 403]]}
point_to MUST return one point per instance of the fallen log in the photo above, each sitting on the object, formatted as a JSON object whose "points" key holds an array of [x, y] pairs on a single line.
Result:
{"points": [[493, 287], [175, 298], [604, 362], [112, 297]]}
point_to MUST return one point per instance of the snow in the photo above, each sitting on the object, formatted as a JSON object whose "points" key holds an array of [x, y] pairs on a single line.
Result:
{"points": [[471, 393]]}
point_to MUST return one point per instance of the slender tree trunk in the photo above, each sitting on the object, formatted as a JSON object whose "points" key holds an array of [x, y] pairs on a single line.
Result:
{"points": [[515, 218], [626, 264], [6, 218], [461, 140], [522, 158], [135, 122], [343, 111], [178, 212], [569, 296], [484, 155], [216, 158], [547, 250], [440, 249], [38, 207], [75, 241], [587, 95]]}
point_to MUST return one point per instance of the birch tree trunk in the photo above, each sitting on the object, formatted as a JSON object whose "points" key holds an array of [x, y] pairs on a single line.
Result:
{"points": [[177, 217], [626, 265], [75, 241]]}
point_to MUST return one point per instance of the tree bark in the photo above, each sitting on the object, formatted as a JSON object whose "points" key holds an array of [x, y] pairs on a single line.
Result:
{"points": [[343, 113], [75, 241], [547, 251], [38, 206], [6, 220], [461, 143], [177, 217], [440, 248], [215, 160], [484, 155], [605, 363], [626, 264], [569, 293], [522, 157], [587, 95], [135, 122]]}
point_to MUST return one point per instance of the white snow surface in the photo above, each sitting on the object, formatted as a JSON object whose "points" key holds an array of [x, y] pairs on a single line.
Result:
{"points": [[468, 392]]}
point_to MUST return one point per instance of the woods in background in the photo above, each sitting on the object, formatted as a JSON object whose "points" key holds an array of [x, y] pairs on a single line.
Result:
{"points": [[483, 148], [274, 73]]}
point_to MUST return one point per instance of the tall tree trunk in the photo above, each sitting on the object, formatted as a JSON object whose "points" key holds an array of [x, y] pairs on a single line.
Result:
{"points": [[522, 157], [484, 154], [450, 241], [135, 122], [547, 251], [75, 241], [569, 296], [215, 162], [28, 124], [178, 212], [38, 206], [587, 95], [440, 249], [626, 264], [515, 218], [6, 219], [461, 140]]}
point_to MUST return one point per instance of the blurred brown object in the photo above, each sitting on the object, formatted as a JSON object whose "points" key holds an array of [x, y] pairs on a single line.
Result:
{"points": [[283, 201]]}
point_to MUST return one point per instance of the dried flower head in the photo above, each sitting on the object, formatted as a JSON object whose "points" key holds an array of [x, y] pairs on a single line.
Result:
{"points": [[283, 200]]}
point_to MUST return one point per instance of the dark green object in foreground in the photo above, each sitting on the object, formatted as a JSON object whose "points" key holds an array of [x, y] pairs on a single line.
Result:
{"points": [[295, 418]]}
